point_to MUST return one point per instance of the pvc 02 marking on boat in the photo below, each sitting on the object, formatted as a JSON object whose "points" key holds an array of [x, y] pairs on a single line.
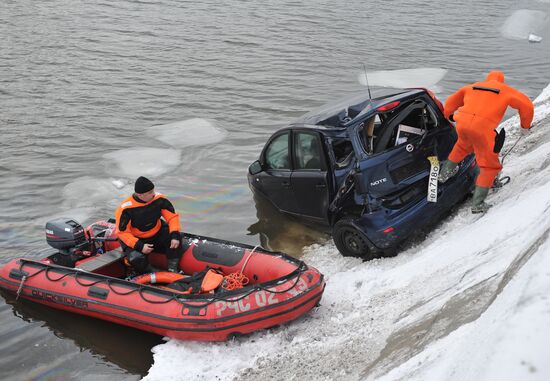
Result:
{"points": [[261, 298]]}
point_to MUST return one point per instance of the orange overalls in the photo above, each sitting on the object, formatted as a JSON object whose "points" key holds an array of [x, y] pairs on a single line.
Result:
{"points": [[481, 107]]}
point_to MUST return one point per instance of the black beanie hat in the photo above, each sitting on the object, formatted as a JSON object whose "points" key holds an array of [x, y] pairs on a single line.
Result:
{"points": [[143, 185]]}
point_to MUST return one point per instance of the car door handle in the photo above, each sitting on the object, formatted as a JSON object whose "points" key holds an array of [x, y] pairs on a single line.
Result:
{"points": [[321, 185], [285, 184]]}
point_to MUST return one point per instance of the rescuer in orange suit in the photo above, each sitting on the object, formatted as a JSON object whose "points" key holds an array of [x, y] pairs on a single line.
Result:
{"points": [[477, 109], [147, 222]]}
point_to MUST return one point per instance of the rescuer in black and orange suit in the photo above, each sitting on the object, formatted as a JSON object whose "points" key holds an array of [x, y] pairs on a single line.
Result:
{"points": [[147, 222]]}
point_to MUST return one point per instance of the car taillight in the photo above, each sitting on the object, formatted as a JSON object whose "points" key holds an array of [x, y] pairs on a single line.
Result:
{"points": [[437, 101], [388, 106], [388, 230]]}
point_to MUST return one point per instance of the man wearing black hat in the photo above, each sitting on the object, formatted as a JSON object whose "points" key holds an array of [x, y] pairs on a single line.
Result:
{"points": [[147, 222]]}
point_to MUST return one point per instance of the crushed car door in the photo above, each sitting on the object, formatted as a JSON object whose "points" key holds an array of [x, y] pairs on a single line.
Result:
{"points": [[398, 168], [275, 178], [309, 177]]}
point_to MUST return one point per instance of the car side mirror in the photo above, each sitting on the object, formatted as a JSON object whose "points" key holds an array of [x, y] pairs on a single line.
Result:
{"points": [[255, 168]]}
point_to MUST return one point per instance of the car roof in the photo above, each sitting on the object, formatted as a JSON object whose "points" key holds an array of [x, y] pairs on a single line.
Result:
{"points": [[344, 112]]}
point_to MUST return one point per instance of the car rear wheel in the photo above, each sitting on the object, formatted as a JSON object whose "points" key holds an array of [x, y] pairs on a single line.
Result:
{"points": [[350, 241]]}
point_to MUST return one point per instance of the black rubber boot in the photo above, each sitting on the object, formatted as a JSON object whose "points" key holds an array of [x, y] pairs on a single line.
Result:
{"points": [[448, 170], [173, 264], [139, 262], [149, 269], [478, 201]]}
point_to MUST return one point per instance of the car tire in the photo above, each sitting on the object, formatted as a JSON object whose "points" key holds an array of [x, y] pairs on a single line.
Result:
{"points": [[350, 241]]}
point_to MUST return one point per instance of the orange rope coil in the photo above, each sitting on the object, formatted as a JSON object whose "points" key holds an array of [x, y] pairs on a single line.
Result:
{"points": [[234, 281]]}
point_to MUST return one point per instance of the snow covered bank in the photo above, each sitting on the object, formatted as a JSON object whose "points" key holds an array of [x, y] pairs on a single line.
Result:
{"points": [[468, 302], [508, 342]]}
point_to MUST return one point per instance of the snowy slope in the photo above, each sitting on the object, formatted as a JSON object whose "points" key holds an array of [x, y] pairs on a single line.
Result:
{"points": [[470, 302]]}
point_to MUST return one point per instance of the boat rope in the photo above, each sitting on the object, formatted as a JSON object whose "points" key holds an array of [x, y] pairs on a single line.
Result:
{"points": [[248, 258], [501, 181], [237, 280], [21, 286], [234, 281], [299, 270], [141, 294], [298, 277], [141, 289], [510, 150], [47, 271], [81, 283]]}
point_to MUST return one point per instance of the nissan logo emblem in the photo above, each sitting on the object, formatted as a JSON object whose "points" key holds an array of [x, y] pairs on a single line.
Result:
{"points": [[409, 148]]}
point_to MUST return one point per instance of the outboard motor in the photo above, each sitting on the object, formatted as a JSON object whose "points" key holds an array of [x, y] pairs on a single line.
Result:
{"points": [[67, 236]]}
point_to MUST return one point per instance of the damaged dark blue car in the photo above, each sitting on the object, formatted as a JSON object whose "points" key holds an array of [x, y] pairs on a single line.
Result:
{"points": [[360, 167]]}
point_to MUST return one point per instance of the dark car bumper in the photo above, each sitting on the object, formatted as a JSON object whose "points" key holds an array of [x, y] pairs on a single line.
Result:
{"points": [[385, 228]]}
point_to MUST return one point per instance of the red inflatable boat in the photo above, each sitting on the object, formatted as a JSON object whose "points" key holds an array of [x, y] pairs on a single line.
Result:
{"points": [[257, 289]]}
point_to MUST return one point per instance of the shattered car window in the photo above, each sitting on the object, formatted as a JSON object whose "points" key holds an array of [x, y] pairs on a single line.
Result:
{"points": [[414, 126], [407, 125], [369, 132], [343, 152]]}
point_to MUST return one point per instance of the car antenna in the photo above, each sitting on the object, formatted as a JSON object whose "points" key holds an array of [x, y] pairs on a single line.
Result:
{"points": [[367, 80]]}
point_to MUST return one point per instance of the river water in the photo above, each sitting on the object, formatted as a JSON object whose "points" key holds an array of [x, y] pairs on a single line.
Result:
{"points": [[82, 83]]}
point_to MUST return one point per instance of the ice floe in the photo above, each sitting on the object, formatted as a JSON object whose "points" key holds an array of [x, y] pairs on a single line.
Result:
{"points": [[534, 38], [119, 183], [420, 77], [523, 23], [89, 192], [142, 161], [191, 132]]}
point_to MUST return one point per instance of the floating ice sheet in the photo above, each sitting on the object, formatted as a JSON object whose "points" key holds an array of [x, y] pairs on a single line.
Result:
{"points": [[534, 38], [89, 192], [524, 22], [421, 77], [119, 183], [192, 132], [142, 161]]}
